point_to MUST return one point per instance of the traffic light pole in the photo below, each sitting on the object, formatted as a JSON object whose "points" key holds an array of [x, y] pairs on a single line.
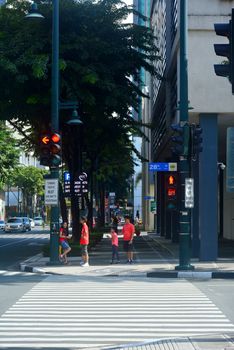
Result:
{"points": [[184, 164], [54, 221]]}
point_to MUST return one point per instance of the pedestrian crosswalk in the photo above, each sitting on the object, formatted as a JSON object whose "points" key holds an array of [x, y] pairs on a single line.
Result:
{"points": [[72, 311]]}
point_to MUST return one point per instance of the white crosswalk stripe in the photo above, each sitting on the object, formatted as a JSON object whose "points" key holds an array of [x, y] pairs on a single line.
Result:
{"points": [[6, 273], [24, 235], [70, 311]]}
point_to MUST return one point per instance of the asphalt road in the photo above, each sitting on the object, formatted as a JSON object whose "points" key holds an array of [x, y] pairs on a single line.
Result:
{"points": [[221, 292], [51, 310], [17, 247]]}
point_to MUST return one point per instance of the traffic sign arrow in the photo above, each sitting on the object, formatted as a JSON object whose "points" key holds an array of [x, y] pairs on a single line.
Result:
{"points": [[45, 140]]}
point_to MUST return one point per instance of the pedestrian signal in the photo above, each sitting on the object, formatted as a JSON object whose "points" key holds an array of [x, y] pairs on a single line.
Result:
{"points": [[171, 192]]}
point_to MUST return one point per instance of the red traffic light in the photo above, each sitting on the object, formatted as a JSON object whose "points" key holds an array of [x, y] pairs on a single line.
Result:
{"points": [[55, 138]]}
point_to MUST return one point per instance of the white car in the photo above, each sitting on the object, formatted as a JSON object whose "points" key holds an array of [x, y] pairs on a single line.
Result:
{"points": [[32, 223], [15, 224], [2, 225], [38, 221]]}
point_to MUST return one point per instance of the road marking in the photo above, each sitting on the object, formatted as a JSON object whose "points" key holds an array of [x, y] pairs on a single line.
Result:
{"points": [[6, 273]]}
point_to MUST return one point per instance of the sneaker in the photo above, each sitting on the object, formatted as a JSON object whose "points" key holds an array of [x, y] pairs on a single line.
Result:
{"points": [[111, 262], [81, 263], [85, 264], [131, 262], [128, 262], [117, 262], [61, 258]]}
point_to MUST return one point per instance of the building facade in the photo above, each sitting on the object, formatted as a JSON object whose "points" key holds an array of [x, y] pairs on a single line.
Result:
{"points": [[211, 106]]}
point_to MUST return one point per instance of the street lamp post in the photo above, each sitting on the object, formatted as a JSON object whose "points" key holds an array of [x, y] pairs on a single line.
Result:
{"points": [[184, 165], [54, 222], [54, 172]]}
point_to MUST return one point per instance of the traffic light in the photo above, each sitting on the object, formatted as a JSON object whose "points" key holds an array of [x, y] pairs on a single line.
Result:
{"points": [[45, 149], [171, 192], [181, 141], [225, 50], [50, 149], [196, 141], [55, 150]]}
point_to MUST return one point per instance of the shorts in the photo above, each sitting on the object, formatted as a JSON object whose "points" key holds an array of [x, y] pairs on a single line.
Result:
{"points": [[127, 247], [84, 249], [65, 245]]}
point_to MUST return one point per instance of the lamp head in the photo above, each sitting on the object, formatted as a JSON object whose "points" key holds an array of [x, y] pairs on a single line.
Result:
{"points": [[75, 120], [34, 13]]}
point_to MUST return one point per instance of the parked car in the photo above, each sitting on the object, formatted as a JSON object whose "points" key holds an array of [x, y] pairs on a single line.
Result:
{"points": [[15, 224], [2, 225], [38, 221], [32, 223]]}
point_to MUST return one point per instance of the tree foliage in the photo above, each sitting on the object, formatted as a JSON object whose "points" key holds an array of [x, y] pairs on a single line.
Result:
{"points": [[100, 61], [29, 179], [9, 153]]}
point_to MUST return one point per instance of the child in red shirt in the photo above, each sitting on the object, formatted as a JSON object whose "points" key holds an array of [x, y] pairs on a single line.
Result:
{"points": [[63, 237], [84, 242], [115, 246]]}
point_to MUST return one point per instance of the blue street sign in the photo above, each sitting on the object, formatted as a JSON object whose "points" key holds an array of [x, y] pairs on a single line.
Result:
{"points": [[162, 166], [66, 176], [158, 166], [148, 197]]}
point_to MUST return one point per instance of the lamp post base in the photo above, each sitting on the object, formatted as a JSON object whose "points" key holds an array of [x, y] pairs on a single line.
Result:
{"points": [[184, 267], [54, 263]]}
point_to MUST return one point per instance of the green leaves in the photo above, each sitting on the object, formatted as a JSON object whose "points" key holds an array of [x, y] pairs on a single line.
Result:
{"points": [[9, 152], [29, 178], [100, 61]]}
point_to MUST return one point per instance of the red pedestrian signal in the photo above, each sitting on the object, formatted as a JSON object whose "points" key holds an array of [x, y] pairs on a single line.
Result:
{"points": [[171, 191]]}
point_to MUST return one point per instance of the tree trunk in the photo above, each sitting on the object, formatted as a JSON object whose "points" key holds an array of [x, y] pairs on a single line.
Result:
{"points": [[75, 211], [102, 205], [63, 205], [90, 201]]}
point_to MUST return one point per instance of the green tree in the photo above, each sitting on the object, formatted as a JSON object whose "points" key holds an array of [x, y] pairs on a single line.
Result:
{"points": [[9, 153], [30, 181], [100, 61]]}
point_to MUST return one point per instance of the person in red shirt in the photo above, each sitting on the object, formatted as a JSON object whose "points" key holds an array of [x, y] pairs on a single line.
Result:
{"points": [[63, 237], [84, 242], [128, 234]]}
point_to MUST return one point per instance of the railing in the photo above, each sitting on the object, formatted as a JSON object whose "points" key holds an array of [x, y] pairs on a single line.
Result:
{"points": [[159, 131], [174, 20]]}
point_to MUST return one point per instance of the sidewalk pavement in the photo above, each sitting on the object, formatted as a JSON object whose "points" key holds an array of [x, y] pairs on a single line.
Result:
{"points": [[155, 257]]}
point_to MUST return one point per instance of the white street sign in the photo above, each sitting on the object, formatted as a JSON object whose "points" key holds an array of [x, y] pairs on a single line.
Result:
{"points": [[189, 193], [51, 191]]}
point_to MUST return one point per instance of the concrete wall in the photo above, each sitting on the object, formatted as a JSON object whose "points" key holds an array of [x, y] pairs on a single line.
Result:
{"points": [[208, 93], [228, 212]]}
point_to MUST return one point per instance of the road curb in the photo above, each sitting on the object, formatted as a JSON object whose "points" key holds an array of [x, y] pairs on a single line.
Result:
{"points": [[26, 268], [192, 274], [201, 275]]}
